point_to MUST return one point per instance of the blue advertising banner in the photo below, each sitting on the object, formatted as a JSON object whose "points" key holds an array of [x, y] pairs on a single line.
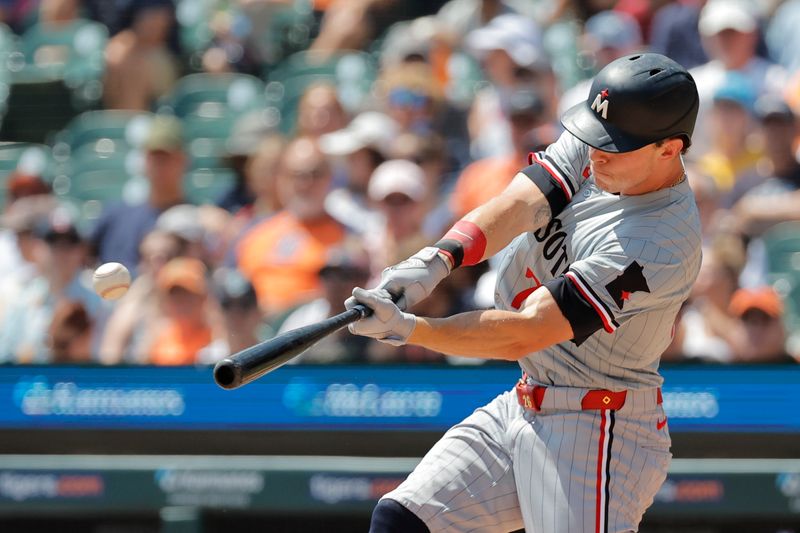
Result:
{"points": [[698, 399]]}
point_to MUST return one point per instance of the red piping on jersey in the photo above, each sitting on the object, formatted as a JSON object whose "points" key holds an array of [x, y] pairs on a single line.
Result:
{"points": [[606, 323], [554, 174]]}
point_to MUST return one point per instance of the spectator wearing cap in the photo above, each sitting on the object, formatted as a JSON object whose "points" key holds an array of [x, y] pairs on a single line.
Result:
{"points": [[778, 198], [399, 191], [346, 266], [730, 35], [760, 333], [411, 97], [607, 35], [185, 327], [138, 312], [358, 149], [486, 178], [243, 323], [512, 55], [121, 227], [249, 132], [60, 254], [18, 245], [13, 231], [733, 154], [282, 255]]}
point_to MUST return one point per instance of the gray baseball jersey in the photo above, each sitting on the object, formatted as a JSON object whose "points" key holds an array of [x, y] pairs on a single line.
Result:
{"points": [[618, 266]]}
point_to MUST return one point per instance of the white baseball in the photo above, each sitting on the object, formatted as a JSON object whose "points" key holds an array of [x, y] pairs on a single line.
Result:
{"points": [[111, 280]]}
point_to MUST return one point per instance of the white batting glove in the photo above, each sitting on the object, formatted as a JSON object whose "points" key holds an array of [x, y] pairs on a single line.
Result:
{"points": [[415, 278], [387, 323]]}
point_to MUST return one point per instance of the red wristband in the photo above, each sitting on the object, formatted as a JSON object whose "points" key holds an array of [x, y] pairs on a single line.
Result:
{"points": [[469, 239]]}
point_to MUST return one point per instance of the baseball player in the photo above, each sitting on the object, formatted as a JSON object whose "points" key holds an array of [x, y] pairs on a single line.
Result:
{"points": [[603, 241]]}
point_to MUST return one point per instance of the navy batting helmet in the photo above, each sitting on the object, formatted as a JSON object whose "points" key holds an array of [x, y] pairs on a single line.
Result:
{"points": [[634, 101]]}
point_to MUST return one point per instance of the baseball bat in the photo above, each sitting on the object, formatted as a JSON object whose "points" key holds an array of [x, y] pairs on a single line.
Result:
{"points": [[255, 361]]}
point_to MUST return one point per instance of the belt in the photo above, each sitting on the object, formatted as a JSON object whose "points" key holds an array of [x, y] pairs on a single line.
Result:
{"points": [[531, 397]]}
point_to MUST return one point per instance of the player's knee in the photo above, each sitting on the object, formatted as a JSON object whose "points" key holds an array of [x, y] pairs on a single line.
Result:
{"points": [[391, 517]]}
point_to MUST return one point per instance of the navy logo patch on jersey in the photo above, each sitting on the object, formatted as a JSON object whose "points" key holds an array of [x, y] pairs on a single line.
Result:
{"points": [[630, 281]]}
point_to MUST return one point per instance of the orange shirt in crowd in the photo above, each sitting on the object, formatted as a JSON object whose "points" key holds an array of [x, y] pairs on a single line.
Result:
{"points": [[178, 344], [482, 180], [282, 257]]}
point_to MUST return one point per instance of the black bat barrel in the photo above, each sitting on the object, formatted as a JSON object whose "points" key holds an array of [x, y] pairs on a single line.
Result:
{"points": [[252, 363]]}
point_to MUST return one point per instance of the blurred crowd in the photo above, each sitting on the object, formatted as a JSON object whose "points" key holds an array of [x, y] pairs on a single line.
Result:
{"points": [[464, 90]]}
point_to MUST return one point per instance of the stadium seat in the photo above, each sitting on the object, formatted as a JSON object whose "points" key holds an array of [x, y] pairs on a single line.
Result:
{"points": [[212, 94], [98, 171], [782, 244], [126, 127]]}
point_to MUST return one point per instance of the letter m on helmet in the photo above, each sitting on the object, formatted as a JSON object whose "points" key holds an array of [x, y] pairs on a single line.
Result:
{"points": [[600, 105]]}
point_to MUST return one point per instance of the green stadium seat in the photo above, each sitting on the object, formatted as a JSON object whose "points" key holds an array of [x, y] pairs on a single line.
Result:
{"points": [[128, 128], [99, 172], [782, 244], [205, 94]]}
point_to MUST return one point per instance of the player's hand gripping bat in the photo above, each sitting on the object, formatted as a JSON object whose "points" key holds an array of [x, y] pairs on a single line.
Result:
{"points": [[255, 361]]}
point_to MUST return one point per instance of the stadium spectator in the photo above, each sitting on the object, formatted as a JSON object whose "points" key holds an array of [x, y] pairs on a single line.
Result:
{"points": [[487, 177], [707, 325], [60, 254], [247, 135], [358, 149], [140, 66], [200, 228], [512, 56], [777, 199], [760, 333], [346, 266], [400, 192], [69, 337], [606, 36], [732, 156], [138, 312], [282, 255], [121, 227], [17, 222], [260, 173], [242, 321], [18, 245], [320, 111], [411, 97], [730, 34], [186, 326]]}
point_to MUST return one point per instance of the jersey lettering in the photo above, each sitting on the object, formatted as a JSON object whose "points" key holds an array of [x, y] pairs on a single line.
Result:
{"points": [[522, 295], [554, 247]]}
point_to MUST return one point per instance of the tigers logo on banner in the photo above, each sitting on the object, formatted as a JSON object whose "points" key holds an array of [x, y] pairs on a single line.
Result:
{"points": [[600, 103]]}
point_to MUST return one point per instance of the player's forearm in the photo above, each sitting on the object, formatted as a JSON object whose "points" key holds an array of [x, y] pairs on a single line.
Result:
{"points": [[486, 334], [494, 333]]}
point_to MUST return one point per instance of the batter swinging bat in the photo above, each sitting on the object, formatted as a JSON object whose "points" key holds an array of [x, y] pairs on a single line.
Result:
{"points": [[255, 361]]}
